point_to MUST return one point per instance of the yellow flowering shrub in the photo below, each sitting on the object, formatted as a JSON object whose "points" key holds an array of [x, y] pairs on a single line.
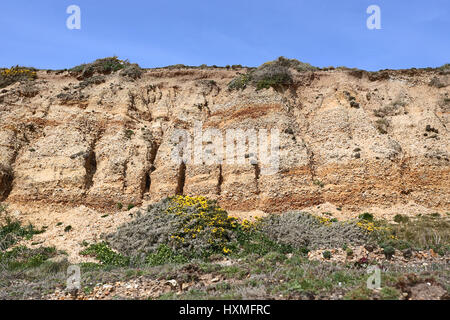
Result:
{"points": [[368, 226], [14, 74], [202, 222]]}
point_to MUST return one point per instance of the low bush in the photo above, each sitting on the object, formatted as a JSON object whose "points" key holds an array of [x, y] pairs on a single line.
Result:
{"points": [[132, 71], [191, 226], [240, 82], [164, 254], [366, 216], [400, 218], [106, 66], [275, 74], [444, 69], [105, 255], [303, 230], [422, 233], [382, 126], [11, 231], [20, 258]]}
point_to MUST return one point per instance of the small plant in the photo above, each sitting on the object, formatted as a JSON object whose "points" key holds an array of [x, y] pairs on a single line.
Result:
{"points": [[382, 126], [435, 215], [132, 71], [326, 255], [349, 252], [319, 183], [128, 133], [240, 82], [130, 206], [119, 206], [67, 228], [389, 293], [366, 216], [400, 218], [388, 252]]}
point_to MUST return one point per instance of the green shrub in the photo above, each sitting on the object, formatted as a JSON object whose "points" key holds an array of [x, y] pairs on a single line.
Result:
{"points": [[349, 252], [128, 133], [388, 252], [11, 231], [21, 258], [400, 218], [444, 69], [389, 293], [240, 82], [272, 75], [326, 255], [106, 66], [164, 254], [253, 242], [319, 183], [294, 64], [132, 71], [421, 233], [275, 74], [102, 252], [303, 230], [366, 216]]}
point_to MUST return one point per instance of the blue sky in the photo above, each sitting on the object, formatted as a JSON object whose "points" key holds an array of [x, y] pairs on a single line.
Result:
{"points": [[415, 33]]}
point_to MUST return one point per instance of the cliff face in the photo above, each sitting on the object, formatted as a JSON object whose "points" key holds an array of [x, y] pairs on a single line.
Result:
{"points": [[348, 138]]}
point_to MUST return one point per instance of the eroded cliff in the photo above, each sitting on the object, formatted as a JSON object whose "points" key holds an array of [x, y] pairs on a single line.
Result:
{"points": [[348, 138]]}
